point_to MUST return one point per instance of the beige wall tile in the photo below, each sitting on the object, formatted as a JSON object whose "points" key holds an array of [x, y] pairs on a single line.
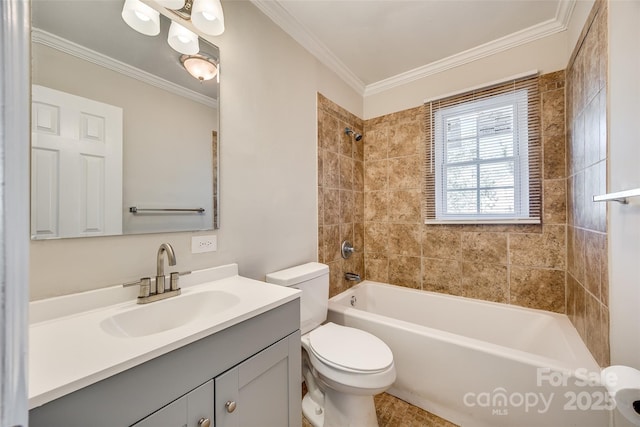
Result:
{"points": [[347, 141], [553, 134], [554, 208], [404, 206], [404, 239], [331, 170], [358, 206], [442, 275], [337, 283], [375, 175], [487, 282], [375, 145], [405, 140], [604, 356], [376, 237], [331, 206], [538, 288], [539, 250], [320, 167], [488, 248], [376, 267], [404, 271], [438, 242], [346, 206], [346, 172], [404, 173], [575, 253], [331, 242], [376, 206], [320, 243], [358, 175]]}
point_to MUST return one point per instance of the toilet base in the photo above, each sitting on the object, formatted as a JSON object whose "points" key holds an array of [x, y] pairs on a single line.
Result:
{"points": [[340, 410], [313, 412]]}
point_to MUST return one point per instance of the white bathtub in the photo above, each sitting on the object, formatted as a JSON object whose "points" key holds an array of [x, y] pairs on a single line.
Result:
{"points": [[479, 363]]}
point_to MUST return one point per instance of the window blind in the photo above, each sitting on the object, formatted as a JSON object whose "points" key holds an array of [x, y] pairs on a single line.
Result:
{"points": [[483, 155]]}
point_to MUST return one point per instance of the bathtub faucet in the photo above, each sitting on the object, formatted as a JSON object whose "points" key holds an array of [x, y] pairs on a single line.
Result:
{"points": [[352, 277]]}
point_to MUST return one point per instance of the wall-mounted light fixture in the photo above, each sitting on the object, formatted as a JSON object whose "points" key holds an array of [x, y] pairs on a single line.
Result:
{"points": [[200, 66], [183, 40], [141, 17], [206, 16]]}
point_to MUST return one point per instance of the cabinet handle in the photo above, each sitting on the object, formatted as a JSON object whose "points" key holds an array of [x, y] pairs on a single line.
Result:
{"points": [[230, 406], [204, 422]]}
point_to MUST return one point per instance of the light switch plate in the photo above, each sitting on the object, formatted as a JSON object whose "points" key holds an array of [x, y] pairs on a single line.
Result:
{"points": [[200, 244]]}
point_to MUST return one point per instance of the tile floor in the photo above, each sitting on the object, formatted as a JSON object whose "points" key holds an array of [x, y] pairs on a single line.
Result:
{"points": [[393, 412]]}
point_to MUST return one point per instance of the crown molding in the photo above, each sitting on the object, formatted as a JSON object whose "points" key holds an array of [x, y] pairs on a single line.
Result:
{"points": [[281, 17], [63, 45], [518, 38], [290, 25]]}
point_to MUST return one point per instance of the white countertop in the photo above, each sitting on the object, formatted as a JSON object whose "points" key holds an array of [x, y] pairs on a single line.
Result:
{"points": [[69, 349]]}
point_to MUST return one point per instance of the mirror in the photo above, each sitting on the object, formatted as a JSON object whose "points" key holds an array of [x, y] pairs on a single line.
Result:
{"points": [[124, 140]]}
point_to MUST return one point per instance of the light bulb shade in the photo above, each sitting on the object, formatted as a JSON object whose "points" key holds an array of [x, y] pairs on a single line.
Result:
{"points": [[199, 66], [183, 40], [208, 17], [141, 17], [171, 4]]}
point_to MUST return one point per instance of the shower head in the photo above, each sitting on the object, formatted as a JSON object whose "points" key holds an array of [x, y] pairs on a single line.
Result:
{"points": [[350, 131]]}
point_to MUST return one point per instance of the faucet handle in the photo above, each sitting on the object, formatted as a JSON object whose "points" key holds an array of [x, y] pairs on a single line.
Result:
{"points": [[173, 283], [145, 286]]}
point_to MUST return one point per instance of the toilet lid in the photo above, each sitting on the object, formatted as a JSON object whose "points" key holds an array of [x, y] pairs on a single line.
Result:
{"points": [[350, 348]]}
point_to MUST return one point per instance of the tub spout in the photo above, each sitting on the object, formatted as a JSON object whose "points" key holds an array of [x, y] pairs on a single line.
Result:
{"points": [[352, 277]]}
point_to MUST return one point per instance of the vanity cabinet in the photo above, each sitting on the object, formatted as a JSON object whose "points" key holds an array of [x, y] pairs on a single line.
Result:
{"points": [[256, 392], [247, 374], [191, 410]]}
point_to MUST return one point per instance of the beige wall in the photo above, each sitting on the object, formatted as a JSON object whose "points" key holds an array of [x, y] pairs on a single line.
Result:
{"points": [[624, 173], [268, 170]]}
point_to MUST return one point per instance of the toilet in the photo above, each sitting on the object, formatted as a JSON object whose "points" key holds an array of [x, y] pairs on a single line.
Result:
{"points": [[343, 367]]}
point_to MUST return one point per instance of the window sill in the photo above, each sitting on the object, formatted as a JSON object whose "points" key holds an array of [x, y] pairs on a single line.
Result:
{"points": [[482, 221]]}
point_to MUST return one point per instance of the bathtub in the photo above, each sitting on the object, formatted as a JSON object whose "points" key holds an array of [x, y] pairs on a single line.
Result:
{"points": [[478, 363]]}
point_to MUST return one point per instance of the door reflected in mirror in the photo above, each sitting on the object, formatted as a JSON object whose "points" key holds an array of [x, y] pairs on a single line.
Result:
{"points": [[124, 140]]}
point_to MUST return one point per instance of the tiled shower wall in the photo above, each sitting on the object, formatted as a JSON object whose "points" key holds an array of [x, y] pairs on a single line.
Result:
{"points": [[523, 264], [515, 264], [340, 195], [587, 273]]}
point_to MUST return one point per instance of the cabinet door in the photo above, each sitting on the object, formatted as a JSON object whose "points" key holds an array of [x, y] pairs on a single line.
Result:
{"points": [[200, 406], [187, 411], [262, 391], [172, 415]]}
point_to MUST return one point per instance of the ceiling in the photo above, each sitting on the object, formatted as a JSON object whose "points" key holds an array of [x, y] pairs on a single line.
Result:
{"points": [[377, 44]]}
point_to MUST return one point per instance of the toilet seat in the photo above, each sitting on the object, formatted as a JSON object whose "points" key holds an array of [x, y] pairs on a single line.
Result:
{"points": [[349, 349]]}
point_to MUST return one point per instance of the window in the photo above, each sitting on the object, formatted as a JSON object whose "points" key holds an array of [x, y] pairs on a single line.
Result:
{"points": [[483, 156]]}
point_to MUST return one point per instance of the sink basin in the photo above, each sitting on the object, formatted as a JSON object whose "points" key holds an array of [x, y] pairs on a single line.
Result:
{"points": [[161, 316]]}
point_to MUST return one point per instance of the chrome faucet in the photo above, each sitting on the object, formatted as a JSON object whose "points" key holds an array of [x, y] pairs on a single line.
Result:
{"points": [[155, 290], [160, 279], [352, 277]]}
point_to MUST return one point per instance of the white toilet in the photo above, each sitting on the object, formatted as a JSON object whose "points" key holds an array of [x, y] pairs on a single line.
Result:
{"points": [[343, 367]]}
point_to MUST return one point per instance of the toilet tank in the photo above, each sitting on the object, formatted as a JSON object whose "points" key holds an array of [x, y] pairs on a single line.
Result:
{"points": [[313, 280]]}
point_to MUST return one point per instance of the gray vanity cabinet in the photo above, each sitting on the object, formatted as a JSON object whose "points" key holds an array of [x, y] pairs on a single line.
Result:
{"points": [[257, 392], [191, 410], [254, 364]]}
